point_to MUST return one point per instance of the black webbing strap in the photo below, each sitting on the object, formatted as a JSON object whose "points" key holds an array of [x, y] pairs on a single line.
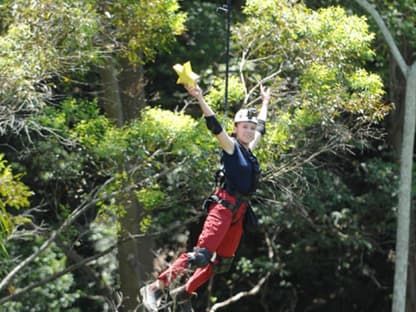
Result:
{"points": [[239, 201], [224, 202]]}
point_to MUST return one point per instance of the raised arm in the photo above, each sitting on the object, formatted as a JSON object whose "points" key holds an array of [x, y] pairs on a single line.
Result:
{"points": [[262, 116], [213, 124]]}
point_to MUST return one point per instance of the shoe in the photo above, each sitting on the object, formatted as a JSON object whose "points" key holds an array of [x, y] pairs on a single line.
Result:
{"points": [[151, 297]]}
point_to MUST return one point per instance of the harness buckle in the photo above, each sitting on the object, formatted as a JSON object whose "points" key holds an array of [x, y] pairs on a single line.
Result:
{"points": [[219, 177]]}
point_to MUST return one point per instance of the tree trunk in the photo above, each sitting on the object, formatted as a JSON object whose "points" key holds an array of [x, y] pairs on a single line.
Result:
{"points": [[123, 98], [134, 256], [406, 164], [411, 281], [132, 93], [405, 191], [111, 99], [397, 93]]}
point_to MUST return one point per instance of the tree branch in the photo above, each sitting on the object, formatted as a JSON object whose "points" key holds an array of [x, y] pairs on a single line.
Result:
{"points": [[56, 275], [89, 202], [241, 294], [387, 35], [85, 261], [253, 291]]}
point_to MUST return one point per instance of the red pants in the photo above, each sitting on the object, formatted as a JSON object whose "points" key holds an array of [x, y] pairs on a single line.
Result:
{"points": [[221, 233]]}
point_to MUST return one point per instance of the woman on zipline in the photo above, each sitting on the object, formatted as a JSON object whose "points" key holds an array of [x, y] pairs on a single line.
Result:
{"points": [[223, 227]]}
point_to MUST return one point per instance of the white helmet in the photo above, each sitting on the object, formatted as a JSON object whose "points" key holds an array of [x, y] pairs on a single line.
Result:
{"points": [[246, 114]]}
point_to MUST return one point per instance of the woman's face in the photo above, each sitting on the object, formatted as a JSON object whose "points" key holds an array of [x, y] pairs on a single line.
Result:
{"points": [[245, 132]]}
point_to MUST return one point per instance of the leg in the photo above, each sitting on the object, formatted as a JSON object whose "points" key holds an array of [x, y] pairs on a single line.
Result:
{"points": [[226, 248], [179, 267], [215, 228], [232, 239], [200, 277], [152, 293]]}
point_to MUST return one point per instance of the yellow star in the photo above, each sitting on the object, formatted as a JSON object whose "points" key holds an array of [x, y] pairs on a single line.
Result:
{"points": [[186, 75]]}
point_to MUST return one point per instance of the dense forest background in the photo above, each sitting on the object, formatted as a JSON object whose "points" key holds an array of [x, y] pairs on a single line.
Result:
{"points": [[105, 161]]}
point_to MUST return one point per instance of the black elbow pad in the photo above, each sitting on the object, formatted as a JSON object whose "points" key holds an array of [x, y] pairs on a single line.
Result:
{"points": [[213, 124]]}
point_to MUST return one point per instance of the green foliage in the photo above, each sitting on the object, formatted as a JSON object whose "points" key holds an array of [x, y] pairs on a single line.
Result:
{"points": [[67, 157], [168, 129], [367, 91], [163, 157], [398, 14], [328, 221], [44, 42], [315, 207], [70, 148], [55, 295], [160, 141], [400, 19], [13, 195], [63, 168], [170, 156], [203, 43], [140, 24], [324, 100], [331, 239], [150, 197], [42, 39], [318, 56], [235, 94]]}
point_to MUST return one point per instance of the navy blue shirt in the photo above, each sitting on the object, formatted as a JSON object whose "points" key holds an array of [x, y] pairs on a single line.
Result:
{"points": [[241, 169]]}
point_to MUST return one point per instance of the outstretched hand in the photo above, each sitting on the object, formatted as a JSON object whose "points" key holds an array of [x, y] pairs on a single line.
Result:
{"points": [[265, 94], [196, 91]]}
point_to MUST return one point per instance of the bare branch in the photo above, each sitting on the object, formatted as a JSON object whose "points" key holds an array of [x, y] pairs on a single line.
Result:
{"points": [[387, 35], [56, 275], [83, 262], [270, 77], [90, 201], [253, 291], [242, 294]]}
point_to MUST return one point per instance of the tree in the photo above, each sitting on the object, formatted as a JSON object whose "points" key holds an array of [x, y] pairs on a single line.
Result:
{"points": [[41, 44], [326, 105], [137, 25], [400, 24], [406, 164], [41, 59]]}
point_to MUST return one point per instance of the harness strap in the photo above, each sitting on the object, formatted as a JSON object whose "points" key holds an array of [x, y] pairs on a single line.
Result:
{"points": [[225, 203], [239, 201]]}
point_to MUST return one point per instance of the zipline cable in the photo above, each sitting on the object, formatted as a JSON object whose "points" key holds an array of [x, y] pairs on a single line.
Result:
{"points": [[227, 9]]}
